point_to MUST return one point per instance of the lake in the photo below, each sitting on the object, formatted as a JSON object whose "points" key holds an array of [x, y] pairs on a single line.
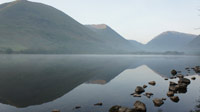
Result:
{"points": [[42, 83]]}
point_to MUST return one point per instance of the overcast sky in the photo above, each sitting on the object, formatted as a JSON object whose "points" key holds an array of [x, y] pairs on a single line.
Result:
{"points": [[139, 20]]}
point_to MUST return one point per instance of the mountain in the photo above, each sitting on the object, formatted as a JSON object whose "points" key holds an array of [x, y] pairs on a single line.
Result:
{"points": [[107, 33], [169, 41], [28, 27], [194, 45], [137, 44]]}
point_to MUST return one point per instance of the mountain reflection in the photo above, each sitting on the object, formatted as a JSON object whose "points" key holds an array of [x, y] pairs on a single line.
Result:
{"points": [[27, 80]]}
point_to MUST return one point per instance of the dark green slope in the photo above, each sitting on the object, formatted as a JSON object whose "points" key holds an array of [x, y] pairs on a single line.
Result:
{"points": [[29, 27]]}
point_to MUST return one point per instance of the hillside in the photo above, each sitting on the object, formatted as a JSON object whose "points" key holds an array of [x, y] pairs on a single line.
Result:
{"points": [[169, 41], [194, 46], [28, 27], [137, 44], [107, 33]]}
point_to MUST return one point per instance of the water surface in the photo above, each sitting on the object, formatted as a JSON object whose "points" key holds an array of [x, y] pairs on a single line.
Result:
{"points": [[41, 83]]}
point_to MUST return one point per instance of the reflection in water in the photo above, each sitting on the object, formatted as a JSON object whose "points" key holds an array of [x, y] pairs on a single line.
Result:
{"points": [[27, 80]]}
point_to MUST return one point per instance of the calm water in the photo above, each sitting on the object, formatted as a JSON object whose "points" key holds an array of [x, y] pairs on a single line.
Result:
{"points": [[41, 83]]}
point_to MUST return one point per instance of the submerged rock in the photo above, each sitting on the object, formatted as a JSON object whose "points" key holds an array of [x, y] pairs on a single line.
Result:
{"points": [[158, 102], [175, 98], [139, 106], [153, 83], [77, 107], [98, 104], [139, 90], [173, 72]]}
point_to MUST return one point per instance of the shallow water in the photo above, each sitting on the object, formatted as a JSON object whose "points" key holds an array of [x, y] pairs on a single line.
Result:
{"points": [[41, 83]]}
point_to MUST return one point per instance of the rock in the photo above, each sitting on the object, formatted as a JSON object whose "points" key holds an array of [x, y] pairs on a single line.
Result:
{"points": [[118, 108], [139, 106], [125, 109], [180, 76], [193, 78], [175, 98], [173, 72], [115, 108], [172, 88], [144, 86], [98, 104], [172, 83], [77, 107], [181, 86], [55, 110], [158, 102], [136, 95], [187, 68], [170, 93], [184, 80], [178, 71], [153, 83], [164, 98], [166, 78], [148, 95], [139, 90]]}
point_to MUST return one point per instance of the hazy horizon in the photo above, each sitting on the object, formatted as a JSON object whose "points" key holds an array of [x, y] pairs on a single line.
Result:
{"points": [[138, 20]]}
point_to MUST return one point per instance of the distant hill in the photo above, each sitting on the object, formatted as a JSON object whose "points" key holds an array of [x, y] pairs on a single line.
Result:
{"points": [[112, 37], [28, 27], [194, 45], [137, 44], [169, 41]]}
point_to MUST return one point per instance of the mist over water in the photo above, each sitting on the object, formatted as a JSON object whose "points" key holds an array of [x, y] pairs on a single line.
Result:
{"points": [[41, 83]]}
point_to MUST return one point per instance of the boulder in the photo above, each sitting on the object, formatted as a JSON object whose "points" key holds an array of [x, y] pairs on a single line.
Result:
{"points": [[166, 78], [175, 98], [55, 110], [164, 98], [170, 93], [139, 106], [148, 95], [158, 102], [136, 95], [118, 108], [180, 76], [139, 90], [173, 88], [193, 78], [115, 108], [184, 80], [144, 86], [173, 72], [153, 83], [172, 83]]}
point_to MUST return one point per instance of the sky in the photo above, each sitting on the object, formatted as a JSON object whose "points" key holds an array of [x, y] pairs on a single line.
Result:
{"points": [[139, 20]]}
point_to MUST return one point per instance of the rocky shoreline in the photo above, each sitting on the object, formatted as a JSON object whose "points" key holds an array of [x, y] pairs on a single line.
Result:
{"points": [[174, 88]]}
